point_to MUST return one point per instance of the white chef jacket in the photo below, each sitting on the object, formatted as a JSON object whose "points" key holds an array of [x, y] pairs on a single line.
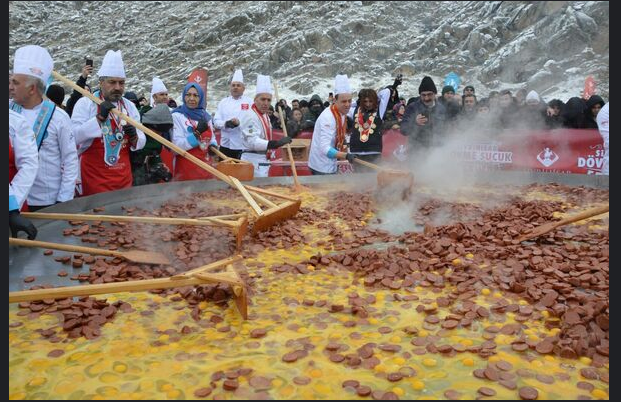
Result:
{"points": [[324, 139], [229, 108], [86, 126], [24, 145], [254, 140], [58, 160], [184, 139]]}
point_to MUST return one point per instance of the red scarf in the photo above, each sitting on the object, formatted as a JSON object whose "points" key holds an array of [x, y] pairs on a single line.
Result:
{"points": [[265, 122], [341, 129]]}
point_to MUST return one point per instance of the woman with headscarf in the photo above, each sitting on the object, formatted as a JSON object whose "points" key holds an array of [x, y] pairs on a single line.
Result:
{"points": [[193, 132], [366, 136]]}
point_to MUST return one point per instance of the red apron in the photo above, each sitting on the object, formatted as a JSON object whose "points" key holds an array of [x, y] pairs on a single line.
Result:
{"points": [[186, 170], [99, 177], [13, 172]]}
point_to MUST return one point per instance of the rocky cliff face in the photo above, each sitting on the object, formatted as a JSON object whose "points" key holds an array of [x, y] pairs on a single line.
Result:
{"points": [[546, 46]]}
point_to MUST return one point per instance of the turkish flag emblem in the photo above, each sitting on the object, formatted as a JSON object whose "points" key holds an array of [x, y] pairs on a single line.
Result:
{"points": [[245, 106]]}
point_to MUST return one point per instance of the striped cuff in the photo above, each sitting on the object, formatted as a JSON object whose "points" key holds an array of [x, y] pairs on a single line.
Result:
{"points": [[13, 204], [192, 140], [332, 153]]}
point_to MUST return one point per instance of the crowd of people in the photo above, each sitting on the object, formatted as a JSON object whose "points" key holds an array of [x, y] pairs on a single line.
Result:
{"points": [[60, 150]]}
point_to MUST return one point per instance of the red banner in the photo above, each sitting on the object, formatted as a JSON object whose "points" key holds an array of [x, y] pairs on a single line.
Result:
{"points": [[556, 151]]}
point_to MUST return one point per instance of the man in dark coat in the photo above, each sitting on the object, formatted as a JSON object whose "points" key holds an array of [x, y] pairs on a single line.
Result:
{"points": [[315, 107], [424, 119]]}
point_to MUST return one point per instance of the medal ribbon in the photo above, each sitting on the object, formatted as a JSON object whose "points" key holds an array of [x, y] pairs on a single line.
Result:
{"points": [[112, 133], [341, 128], [267, 129]]}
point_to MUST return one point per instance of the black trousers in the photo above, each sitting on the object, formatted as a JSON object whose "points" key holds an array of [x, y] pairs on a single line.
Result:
{"points": [[231, 153]]}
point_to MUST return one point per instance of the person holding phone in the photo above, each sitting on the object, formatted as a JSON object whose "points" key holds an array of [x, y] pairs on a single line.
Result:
{"points": [[424, 119], [87, 71]]}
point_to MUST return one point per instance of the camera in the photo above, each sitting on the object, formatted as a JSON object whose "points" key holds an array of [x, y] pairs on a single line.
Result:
{"points": [[89, 61], [156, 172]]}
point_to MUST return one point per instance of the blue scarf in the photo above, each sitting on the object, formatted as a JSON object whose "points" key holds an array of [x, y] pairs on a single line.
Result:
{"points": [[195, 114]]}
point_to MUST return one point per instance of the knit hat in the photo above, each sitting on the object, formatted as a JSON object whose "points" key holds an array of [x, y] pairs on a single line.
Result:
{"points": [[470, 87], [56, 94], [129, 95], [447, 88], [158, 116], [427, 85]]}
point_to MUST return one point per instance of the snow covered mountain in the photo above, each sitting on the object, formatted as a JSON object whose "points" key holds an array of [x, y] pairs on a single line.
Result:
{"points": [[546, 46]]}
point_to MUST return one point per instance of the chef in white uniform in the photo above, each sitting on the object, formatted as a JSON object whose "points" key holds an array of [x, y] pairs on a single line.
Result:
{"points": [[257, 130], [227, 116], [58, 157], [328, 143], [23, 166]]}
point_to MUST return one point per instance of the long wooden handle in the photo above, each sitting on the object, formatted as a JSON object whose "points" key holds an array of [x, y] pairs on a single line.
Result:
{"points": [[583, 215], [284, 129], [121, 218], [369, 164], [227, 158], [103, 288], [64, 247]]}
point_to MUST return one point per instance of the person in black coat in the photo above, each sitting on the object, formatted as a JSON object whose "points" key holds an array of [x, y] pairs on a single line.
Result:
{"points": [[573, 113], [424, 119], [593, 106], [365, 141]]}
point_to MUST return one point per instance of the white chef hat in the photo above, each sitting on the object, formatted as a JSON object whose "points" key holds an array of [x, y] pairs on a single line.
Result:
{"points": [[533, 97], [264, 84], [35, 61], [157, 86], [341, 85], [238, 76], [112, 65]]}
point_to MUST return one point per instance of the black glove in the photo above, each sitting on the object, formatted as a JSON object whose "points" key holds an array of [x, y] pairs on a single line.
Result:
{"points": [[210, 150], [130, 131], [230, 124], [18, 223], [105, 108], [202, 126], [350, 157], [273, 144]]}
